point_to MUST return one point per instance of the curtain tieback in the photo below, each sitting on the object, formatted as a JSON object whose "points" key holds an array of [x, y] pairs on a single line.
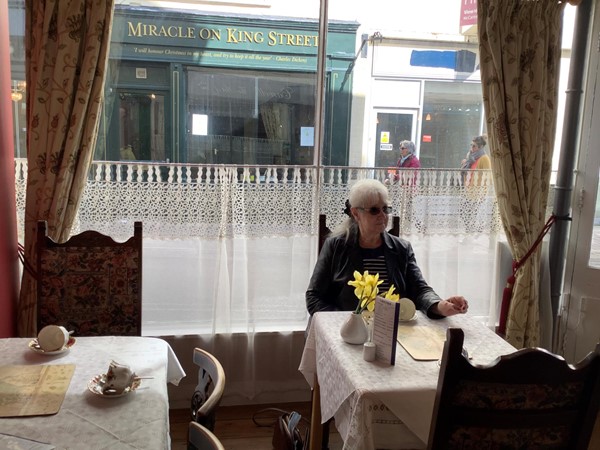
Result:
{"points": [[510, 281]]}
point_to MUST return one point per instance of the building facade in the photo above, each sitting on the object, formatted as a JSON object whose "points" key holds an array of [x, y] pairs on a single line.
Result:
{"points": [[210, 89]]}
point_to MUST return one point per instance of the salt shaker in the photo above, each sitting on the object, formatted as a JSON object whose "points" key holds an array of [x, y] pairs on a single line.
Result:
{"points": [[369, 351]]}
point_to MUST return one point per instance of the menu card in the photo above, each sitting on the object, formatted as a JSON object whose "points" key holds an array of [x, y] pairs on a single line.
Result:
{"points": [[385, 329]]}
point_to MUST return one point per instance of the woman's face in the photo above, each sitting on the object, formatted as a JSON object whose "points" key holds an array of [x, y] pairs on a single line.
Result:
{"points": [[474, 147], [371, 218], [404, 151]]}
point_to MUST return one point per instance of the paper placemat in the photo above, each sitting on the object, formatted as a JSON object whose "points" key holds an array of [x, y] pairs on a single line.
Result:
{"points": [[423, 343], [33, 390]]}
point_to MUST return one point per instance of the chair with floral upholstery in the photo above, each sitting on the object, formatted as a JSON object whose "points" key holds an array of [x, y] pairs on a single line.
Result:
{"points": [[90, 284], [209, 390], [531, 398]]}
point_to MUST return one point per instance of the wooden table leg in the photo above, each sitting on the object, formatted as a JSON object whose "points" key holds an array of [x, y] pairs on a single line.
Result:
{"points": [[316, 427]]}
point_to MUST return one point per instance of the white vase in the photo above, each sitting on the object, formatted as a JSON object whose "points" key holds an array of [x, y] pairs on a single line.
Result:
{"points": [[354, 329]]}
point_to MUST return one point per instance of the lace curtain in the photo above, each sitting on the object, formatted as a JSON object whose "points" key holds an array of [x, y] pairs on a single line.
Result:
{"points": [[231, 249]]}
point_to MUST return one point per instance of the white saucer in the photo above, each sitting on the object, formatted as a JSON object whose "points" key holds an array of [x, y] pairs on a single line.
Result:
{"points": [[410, 320], [35, 346], [96, 386]]}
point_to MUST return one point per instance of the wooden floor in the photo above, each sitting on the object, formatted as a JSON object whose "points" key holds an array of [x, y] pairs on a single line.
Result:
{"points": [[237, 431], [235, 427]]}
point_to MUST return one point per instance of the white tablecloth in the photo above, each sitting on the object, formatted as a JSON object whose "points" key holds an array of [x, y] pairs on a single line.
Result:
{"points": [[377, 405], [139, 420]]}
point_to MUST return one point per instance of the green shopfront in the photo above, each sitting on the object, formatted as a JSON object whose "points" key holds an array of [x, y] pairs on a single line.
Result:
{"points": [[208, 89]]}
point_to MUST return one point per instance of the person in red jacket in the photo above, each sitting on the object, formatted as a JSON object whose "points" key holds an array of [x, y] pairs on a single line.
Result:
{"points": [[408, 159], [407, 156]]}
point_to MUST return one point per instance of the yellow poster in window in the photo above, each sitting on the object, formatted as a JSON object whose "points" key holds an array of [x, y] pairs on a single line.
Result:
{"points": [[385, 137]]}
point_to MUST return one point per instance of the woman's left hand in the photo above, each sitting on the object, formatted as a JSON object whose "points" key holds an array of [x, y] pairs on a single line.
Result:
{"points": [[453, 305]]}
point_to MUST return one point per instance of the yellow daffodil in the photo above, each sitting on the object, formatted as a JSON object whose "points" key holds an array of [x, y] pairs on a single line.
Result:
{"points": [[365, 289], [390, 294]]}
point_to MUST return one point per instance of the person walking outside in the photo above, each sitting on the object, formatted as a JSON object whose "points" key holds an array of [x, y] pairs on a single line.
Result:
{"points": [[408, 159], [473, 179], [476, 159], [407, 156]]}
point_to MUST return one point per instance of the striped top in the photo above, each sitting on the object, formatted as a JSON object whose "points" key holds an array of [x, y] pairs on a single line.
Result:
{"points": [[374, 262]]}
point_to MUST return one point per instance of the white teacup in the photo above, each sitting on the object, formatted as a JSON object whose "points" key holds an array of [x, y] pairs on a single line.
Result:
{"points": [[52, 338], [118, 377], [407, 309]]}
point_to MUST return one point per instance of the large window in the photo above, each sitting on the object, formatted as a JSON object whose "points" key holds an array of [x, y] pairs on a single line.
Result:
{"points": [[194, 92]]}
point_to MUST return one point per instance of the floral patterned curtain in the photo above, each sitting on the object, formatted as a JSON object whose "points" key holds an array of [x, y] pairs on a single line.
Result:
{"points": [[66, 52], [520, 44]]}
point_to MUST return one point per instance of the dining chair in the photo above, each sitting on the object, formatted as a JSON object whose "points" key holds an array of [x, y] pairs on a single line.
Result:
{"points": [[90, 284], [531, 398], [324, 230], [209, 390], [201, 438]]}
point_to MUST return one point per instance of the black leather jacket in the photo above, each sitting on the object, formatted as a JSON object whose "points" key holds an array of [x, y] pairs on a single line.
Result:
{"points": [[328, 289]]}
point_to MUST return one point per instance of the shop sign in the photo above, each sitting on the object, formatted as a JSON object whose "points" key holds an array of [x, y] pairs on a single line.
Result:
{"points": [[191, 31], [468, 13], [208, 40]]}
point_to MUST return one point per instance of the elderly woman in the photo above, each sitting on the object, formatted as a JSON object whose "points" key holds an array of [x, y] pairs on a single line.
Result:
{"points": [[362, 243], [407, 160], [407, 156]]}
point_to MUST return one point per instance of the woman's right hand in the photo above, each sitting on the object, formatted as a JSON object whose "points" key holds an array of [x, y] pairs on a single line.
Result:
{"points": [[454, 305]]}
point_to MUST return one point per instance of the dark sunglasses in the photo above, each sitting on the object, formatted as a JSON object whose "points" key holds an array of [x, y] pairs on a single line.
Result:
{"points": [[374, 210]]}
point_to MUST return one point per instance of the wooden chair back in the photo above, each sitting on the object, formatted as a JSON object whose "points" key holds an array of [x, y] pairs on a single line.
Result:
{"points": [[324, 231], [90, 284], [201, 438], [209, 390], [528, 399]]}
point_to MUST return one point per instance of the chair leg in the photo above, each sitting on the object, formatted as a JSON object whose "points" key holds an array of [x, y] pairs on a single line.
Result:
{"points": [[325, 439]]}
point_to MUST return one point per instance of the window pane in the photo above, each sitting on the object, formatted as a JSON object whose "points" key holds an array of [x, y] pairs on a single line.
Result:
{"points": [[252, 117], [16, 24]]}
